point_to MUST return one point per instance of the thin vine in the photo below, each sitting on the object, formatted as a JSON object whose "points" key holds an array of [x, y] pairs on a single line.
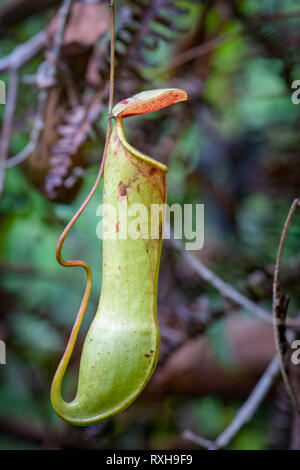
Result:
{"points": [[71, 263]]}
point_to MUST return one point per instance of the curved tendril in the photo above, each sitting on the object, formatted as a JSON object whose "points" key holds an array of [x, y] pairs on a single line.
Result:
{"points": [[70, 263]]}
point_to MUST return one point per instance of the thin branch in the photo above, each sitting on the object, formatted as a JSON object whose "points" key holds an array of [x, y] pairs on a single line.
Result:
{"points": [[197, 439], [59, 34], [23, 53], [278, 364], [245, 413], [49, 71], [225, 289], [13, 62], [35, 133], [280, 305]]}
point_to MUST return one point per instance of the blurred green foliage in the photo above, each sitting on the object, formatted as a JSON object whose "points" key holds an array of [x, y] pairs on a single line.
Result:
{"points": [[252, 114]]}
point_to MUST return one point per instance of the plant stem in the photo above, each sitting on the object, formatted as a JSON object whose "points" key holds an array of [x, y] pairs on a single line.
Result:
{"points": [[280, 306], [71, 343]]}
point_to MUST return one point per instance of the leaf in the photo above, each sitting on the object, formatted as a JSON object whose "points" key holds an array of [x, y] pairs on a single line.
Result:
{"points": [[88, 22]]}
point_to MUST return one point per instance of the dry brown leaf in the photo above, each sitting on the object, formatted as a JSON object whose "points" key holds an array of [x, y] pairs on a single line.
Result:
{"points": [[88, 22], [56, 165]]}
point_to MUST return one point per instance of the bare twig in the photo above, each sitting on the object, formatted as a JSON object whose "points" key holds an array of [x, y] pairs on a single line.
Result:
{"points": [[35, 133], [50, 70], [59, 34], [197, 439], [13, 62], [251, 405], [280, 305], [23, 53], [245, 413], [225, 289]]}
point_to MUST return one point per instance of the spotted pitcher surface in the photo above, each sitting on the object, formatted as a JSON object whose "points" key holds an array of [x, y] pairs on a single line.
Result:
{"points": [[121, 348]]}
